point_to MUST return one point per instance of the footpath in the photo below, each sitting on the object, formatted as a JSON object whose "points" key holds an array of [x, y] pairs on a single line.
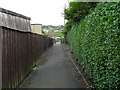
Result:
{"points": [[55, 70]]}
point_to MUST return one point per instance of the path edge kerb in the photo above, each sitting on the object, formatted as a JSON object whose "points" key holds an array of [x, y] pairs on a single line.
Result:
{"points": [[77, 68]]}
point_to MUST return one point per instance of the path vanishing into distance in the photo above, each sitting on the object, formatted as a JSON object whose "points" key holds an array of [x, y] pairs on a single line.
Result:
{"points": [[55, 70]]}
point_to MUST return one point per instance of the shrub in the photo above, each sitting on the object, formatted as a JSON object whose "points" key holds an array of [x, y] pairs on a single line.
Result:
{"points": [[96, 45]]}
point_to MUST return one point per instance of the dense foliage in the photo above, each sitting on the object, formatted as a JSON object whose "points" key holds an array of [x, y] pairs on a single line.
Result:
{"points": [[75, 12], [96, 45]]}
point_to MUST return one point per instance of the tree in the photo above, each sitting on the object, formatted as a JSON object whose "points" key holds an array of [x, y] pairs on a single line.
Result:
{"points": [[77, 10]]}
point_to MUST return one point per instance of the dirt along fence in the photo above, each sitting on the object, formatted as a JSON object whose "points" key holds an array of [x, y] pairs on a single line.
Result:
{"points": [[19, 48]]}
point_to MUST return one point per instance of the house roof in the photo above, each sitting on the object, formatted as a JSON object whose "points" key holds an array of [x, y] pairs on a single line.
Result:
{"points": [[13, 20], [36, 24], [14, 13]]}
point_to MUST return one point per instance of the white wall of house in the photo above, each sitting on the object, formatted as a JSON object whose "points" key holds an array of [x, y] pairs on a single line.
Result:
{"points": [[36, 28]]}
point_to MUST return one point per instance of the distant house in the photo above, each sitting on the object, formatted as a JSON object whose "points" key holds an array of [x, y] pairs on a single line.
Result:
{"points": [[36, 28], [57, 31], [46, 30]]}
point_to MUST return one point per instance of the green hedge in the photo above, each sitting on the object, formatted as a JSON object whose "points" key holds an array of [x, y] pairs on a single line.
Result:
{"points": [[96, 45]]}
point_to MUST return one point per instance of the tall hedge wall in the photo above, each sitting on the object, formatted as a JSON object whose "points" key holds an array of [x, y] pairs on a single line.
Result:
{"points": [[96, 45]]}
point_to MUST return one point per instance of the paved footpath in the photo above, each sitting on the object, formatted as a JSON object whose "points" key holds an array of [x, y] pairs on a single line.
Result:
{"points": [[54, 71]]}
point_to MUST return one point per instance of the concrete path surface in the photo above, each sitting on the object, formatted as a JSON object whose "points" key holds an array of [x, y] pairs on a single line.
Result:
{"points": [[54, 71]]}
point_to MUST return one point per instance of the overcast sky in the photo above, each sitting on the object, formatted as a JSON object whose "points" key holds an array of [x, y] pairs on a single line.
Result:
{"points": [[46, 12]]}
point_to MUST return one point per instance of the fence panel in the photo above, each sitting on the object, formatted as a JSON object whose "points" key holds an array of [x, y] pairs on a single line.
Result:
{"points": [[1, 57], [20, 53]]}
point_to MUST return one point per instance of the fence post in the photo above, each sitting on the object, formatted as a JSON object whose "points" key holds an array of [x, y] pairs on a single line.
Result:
{"points": [[0, 58]]}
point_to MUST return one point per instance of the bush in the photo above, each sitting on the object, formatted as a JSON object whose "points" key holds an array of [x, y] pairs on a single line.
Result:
{"points": [[96, 45], [75, 13]]}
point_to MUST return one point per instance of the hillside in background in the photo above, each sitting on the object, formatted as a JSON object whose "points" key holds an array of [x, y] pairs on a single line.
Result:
{"points": [[53, 31]]}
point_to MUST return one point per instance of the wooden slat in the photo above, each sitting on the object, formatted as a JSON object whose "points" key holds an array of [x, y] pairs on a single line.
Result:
{"points": [[14, 21], [20, 52], [1, 36]]}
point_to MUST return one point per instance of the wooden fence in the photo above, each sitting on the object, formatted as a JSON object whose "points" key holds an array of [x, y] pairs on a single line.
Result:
{"points": [[0, 58], [19, 51]]}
